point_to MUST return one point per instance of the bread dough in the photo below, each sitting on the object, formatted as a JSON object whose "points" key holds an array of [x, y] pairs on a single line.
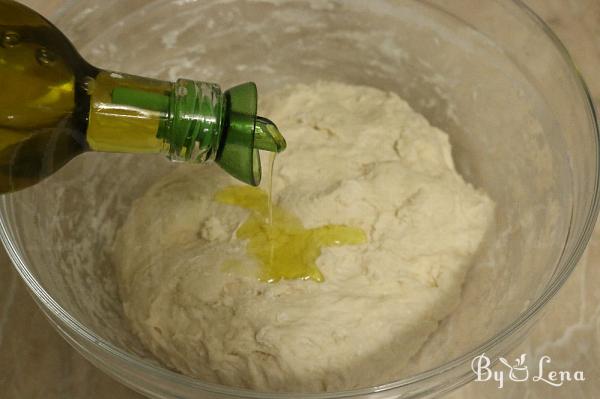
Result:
{"points": [[356, 156]]}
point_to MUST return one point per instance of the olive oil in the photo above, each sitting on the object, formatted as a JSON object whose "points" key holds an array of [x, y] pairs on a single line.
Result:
{"points": [[284, 248], [272, 157], [41, 110], [54, 106]]}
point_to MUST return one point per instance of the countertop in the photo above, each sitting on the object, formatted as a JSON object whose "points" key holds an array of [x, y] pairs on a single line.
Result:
{"points": [[35, 362]]}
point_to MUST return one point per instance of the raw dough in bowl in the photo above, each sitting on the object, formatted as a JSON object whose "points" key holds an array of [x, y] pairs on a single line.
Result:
{"points": [[356, 156]]}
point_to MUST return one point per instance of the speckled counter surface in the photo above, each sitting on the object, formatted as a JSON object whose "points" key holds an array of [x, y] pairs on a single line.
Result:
{"points": [[35, 362]]}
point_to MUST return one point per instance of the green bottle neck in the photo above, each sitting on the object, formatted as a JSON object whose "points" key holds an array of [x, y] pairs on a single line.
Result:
{"points": [[191, 121], [187, 120]]}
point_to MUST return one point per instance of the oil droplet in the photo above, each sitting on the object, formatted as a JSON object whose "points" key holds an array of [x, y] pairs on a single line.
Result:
{"points": [[284, 248], [10, 38], [45, 56]]}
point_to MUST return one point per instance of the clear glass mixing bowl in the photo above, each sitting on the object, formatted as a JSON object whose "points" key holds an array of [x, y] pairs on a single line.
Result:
{"points": [[491, 74]]}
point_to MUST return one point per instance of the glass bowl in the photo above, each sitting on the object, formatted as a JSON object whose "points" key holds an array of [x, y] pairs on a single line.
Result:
{"points": [[491, 74]]}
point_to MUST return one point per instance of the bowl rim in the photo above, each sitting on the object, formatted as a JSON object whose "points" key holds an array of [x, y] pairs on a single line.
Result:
{"points": [[528, 316]]}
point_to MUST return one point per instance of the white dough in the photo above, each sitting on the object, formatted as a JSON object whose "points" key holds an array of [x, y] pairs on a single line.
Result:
{"points": [[356, 156]]}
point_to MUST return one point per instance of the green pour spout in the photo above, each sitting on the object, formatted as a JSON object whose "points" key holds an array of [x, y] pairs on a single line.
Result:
{"points": [[200, 123]]}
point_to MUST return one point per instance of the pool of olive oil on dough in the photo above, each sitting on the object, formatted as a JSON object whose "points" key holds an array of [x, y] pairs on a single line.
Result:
{"points": [[278, 239]]}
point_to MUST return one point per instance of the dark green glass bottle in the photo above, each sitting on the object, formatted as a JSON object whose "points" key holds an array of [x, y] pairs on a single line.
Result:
{"points": [[54, 106]]}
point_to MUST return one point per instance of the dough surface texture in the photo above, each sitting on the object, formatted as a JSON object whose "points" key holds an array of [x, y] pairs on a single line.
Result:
{"points": [[356, 156]]}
